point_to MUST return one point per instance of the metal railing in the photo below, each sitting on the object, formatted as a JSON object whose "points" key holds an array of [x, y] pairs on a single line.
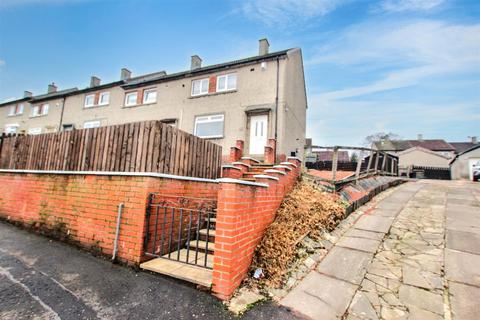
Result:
{"points": [[174, 229], [369, 162]]}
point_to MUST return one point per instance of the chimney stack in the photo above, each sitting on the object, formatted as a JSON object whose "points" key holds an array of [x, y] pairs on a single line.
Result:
{"points": [[420, 137], [196, 62], [125, 74], [94, 81], [52, 88], [263, 46], [27, 94], [474, 139]]}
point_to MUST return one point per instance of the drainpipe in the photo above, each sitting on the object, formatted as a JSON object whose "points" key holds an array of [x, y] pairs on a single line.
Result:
{"points": [[61, 115], [276, 98], [117, 231]]}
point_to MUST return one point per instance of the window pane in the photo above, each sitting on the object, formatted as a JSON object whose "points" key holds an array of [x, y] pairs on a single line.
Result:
{"points": [[210, 126], [45, 108], [150, 96], [221, 83], [12, 111], [89, 100], [131, 99], [232, 81], [91, 124], [104, 97], [195, 87], [204, 86]]}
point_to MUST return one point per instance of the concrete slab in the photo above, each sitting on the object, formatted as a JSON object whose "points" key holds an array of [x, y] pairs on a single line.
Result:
{"points": [[463, 241], [361, 307], [357, 233], [391, 204], [423, 299], [461, 298], [362, 244], [462, 267], [314, 297], [345, 264], [374, 223]]}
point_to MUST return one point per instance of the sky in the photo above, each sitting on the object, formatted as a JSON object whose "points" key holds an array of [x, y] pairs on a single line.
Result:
{"points": [[403, 66]]}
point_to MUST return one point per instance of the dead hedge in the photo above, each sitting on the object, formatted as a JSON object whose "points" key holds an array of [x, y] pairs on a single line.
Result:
{"points": [[305, 211]]}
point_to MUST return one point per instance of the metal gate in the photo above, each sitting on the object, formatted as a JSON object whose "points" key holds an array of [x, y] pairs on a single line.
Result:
{"points": [[180, 229]]}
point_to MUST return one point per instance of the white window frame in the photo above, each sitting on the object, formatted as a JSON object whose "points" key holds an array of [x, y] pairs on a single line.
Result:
{"points": [[130, 94], [93, 101], [207, 119], [226, 76], [11, 125], [16, 110], [42, 110], [199, 81], [102, 94], [91, 124], [145, 92], [34, 131]]}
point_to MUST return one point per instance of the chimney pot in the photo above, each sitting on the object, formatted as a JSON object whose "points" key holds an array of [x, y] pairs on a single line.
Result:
{"points": [[474, 139], [196, 62], [125, 74], [27, 94], [94, 81], [263, 46], [52, 88], [420, 137]]}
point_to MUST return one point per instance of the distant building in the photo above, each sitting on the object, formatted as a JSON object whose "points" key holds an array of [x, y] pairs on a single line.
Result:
{"points": [[462, 165], [328, 156]]}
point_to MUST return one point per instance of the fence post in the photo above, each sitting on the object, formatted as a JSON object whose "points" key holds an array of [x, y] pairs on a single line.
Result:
{"points": [[370, 159], [376, 161], [384, 163], [359, 165], [334, 163]]}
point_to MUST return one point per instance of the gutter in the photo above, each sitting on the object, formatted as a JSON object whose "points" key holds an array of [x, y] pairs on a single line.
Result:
{"points": [[276, 98], [61, 115]]}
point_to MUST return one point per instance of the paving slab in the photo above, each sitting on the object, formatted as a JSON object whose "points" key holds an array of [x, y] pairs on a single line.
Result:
{"points": [[461, 299], [345, 264], [357, 233], [462, 267], [361, 307], [361, 244], [320, 297], [463, 241], [374, 223], [422, 299]]}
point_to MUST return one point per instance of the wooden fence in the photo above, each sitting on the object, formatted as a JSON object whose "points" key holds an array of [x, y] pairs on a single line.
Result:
{"points": [[149, 146]]}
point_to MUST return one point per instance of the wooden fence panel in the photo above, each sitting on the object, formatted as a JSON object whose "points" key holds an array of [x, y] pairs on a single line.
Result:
{"points": [[149, 146]]}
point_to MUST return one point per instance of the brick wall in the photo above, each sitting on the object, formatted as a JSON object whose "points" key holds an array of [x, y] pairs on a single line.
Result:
{"points": [[82, 208], [244, 211]]}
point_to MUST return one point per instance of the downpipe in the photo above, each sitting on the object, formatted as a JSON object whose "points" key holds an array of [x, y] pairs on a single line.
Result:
{"points": [[117, 231]]}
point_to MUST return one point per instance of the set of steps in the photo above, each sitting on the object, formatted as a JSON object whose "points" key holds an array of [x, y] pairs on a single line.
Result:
{"points": [[199, 252], [254, 170]]}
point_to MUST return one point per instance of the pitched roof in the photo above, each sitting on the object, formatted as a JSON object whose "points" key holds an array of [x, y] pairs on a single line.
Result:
{"points": [[53, 95], [400, 145], [423, 150], [462, 146], [466, 151]]}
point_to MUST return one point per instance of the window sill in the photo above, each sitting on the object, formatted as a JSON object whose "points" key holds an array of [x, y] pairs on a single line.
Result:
{"points": [[139, 105], [14, 115], [95, 106], [212, 94], [212, 138], [39, 116]]}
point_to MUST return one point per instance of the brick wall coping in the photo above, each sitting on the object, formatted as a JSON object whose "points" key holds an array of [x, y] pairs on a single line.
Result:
{"points": [[288, 164], [274, 171], [228, 166], [112, 173], [294, 158], [243, 164], [282, 166], [247, 183], [250, 158], [264, 176]]}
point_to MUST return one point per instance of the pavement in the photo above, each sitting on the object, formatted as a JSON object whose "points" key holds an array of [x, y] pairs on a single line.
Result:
{"points": [[45, 279], [414, 255]]}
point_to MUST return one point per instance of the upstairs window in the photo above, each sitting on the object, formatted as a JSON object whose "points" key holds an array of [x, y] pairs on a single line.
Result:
{"points": [[104, 98], [40, 110], [16, 110], [131, 99], [149, 96], [91, 124], [199, 87], [89, 100], [227, 82], [209, 126]]}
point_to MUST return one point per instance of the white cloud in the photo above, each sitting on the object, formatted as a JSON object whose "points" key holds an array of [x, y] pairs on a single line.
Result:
{"points": [[409, 51], [279, 12], [409, 5], [2, 63]]}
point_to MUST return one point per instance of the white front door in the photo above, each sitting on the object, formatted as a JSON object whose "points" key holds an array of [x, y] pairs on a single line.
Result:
{"points": [[258, 134], [471, 164]]}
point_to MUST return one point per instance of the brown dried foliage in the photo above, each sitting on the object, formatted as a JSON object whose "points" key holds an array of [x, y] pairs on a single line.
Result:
{"points": [[305, 211]]}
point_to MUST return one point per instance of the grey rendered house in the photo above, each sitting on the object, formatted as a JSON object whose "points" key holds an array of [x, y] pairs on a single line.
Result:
{"points": [[462, 165], [251, 99]]}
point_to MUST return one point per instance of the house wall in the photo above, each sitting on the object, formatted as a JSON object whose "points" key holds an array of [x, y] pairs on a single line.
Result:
{"points": [[82, 208], [421, 158], [460, 168]]}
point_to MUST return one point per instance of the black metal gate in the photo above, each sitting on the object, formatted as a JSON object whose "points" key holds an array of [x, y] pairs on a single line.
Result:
{"points": [[420, 172], [180, 229]]}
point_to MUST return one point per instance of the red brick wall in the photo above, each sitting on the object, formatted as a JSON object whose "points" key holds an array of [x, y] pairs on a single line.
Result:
{"points": [[243, 213], [83, 208]]}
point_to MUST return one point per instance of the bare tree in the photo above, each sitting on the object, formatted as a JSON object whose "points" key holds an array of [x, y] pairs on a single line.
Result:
{"points": [[367, 142]]}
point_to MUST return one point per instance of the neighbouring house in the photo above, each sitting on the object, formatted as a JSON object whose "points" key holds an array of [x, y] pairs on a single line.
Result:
{"points": [[418, 156], [251, 99], [394, 147], [342, 156], [461, 166], [461, 147]]}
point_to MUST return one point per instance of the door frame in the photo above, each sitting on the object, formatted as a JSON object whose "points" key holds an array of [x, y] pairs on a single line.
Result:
{"points": [[248, 126]]}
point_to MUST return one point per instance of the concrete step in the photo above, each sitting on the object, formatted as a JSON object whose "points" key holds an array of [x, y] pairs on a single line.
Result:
{"points": [[248, 179], [202, 245], [211, 232], [212, 220]]}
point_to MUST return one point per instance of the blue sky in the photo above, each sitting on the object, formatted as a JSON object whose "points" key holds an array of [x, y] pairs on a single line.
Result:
{"points": [[400, 66]]}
